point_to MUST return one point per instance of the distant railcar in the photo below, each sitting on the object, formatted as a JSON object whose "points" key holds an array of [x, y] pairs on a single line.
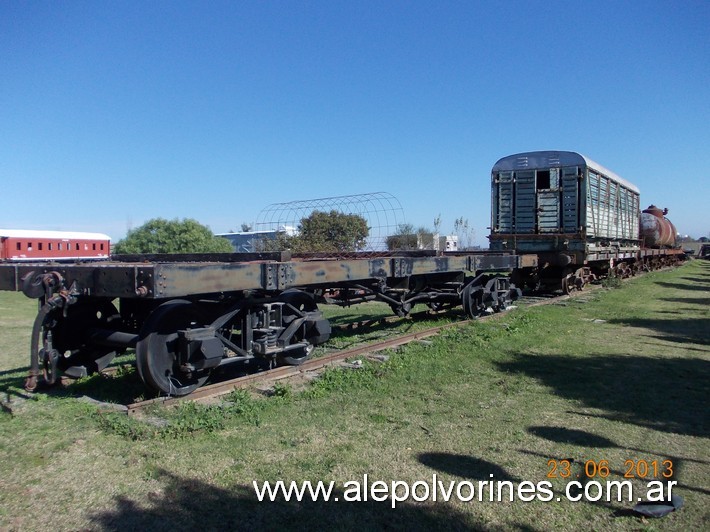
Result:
{"points": [[561, 202], [29, 245], [569, 218], [656, 230]]}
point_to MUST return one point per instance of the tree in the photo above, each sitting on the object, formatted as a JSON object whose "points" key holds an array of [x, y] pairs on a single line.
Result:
{"points": [[404, 239], [332, 232], [172, 236], [437, 224], [323, 232], [465, 232]]}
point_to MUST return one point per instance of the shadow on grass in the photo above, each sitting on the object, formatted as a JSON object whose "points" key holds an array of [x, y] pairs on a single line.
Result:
{"points": [[704, 279], [573, 436], [7, 374], [667, 394], [704, 301], [357, 322], [469, 467], [683, 286], [694, 330], [691, 331], [586, 440], [190, 504], [476, 470], [122, 386], [14, 378], [684, 340], [656, 345]]}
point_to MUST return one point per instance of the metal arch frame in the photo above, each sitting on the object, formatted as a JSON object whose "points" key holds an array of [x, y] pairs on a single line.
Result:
{"points": [[382, 211]]}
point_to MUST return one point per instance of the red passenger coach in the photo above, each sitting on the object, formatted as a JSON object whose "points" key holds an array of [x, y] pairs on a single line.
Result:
{"points": [[29, 245]]}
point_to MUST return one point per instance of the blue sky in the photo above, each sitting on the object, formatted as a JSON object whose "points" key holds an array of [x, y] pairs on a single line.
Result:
{"points": [[113, 113]]}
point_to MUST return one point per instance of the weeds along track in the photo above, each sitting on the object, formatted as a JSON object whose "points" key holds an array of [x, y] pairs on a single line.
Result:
{"points": [[213, 391]]}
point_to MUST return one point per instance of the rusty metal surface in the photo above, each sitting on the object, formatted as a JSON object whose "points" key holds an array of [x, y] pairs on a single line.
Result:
{"points": [[275, 256], [656, 230], [529, 261], [179, 279], [161, 280], [8, 278], [497, 263]]}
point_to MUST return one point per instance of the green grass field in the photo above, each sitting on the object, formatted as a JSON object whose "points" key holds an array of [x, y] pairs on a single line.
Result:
{"points": [[614, 375]]}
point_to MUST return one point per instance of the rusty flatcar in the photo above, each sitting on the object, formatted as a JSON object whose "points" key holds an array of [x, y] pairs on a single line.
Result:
{"points": [[186, 315], [24, 245]]}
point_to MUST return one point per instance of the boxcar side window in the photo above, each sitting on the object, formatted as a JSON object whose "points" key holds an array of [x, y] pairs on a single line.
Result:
{"points": [[543, 179]]}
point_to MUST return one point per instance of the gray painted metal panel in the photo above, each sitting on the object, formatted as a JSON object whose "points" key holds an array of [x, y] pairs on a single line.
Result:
{"points": [[612, 212], [524, 202], [503, 203], [548, 202], [570, 200], [494, 262]]}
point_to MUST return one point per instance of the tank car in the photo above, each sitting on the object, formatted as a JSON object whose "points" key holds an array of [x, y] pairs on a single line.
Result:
{"points": [[656, 230]]}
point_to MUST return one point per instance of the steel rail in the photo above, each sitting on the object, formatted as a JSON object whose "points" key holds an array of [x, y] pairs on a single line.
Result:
{"points": [[211, 391]]}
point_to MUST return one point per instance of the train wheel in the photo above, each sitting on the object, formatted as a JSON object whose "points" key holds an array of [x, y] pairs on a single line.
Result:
{"points": [[567, 284], [579, 283], [157, 349], [472, 300], [635, 268], [76, 357], [300, 301], [297, 305], [296, 357], [402, 310]]}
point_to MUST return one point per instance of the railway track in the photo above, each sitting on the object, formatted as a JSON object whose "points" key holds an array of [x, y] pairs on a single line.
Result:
{"points": [[213, 391]]}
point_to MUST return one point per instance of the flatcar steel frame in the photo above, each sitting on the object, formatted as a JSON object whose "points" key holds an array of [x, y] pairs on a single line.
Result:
{"points": [[186, 315]]}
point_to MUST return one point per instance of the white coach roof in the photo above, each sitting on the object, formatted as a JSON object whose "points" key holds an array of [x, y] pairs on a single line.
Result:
{"points": [[64, 235], [555, 159]]}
